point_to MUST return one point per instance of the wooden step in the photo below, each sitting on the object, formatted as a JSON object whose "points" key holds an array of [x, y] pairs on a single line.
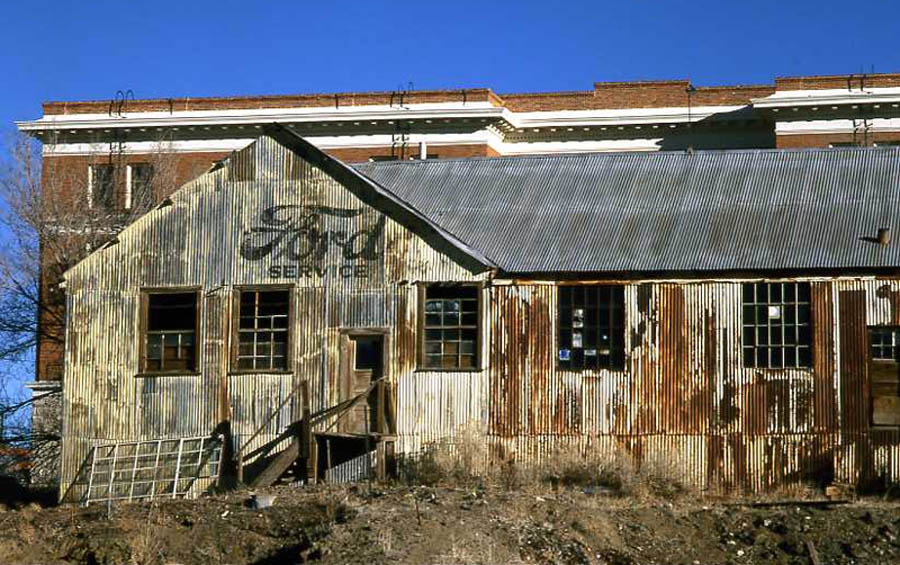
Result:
{"points": [[278, 465]]}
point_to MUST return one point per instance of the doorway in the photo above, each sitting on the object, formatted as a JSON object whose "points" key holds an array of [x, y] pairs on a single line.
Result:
{"points": [[363, 368]]}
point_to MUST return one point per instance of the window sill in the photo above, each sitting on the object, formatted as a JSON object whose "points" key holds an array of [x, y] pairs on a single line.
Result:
{"points": [[779, 370], [445, 370], [169, 374], [242, 372], [589, 371]]}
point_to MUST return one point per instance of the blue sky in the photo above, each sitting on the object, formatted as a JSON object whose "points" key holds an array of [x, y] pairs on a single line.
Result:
{"points": [[89, 50]]}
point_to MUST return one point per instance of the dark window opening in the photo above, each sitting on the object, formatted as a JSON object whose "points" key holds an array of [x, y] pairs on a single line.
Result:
{"points": [[263, 330], [591, 321], [171, 332], [377, 158], [140, 187], [451, 327], [368, 353], [777, 325], [103, 187]]}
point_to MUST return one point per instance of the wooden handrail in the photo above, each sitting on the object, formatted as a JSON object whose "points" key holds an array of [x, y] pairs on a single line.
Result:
{"points": [[272, 415], [341, 407]]}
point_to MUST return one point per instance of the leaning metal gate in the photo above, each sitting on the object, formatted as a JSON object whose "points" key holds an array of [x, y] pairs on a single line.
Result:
{"points": [[149, 469]]}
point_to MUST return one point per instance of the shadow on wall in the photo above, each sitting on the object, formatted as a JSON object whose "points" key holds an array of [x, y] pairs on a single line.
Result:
{"points": [[738, 129]]}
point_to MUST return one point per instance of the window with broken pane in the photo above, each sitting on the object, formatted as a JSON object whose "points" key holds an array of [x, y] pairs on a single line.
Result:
{"points": [[171, 328], [263, 330], [451, 327], [591, 320], [777, 325]]}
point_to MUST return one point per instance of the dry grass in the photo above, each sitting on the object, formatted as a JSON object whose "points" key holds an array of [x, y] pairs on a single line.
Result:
{"points": [[471, 459], [146, 548]]}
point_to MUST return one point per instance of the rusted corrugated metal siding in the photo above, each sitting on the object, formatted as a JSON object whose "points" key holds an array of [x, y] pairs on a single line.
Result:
{"points": [[684, 392]]}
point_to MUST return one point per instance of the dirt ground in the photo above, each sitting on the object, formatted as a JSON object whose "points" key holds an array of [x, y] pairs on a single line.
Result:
{"points": [[422, 525]]}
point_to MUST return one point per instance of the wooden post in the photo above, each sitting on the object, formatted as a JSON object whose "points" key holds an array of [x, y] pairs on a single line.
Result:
{"points": [[306, 447]]}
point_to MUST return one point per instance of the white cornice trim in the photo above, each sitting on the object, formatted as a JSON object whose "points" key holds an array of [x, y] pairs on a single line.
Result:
{"points": [[480, 137], [834, 126], [573, 118], [479, 111], [260, 116], [591, 146], [433, 141], [44, 387], [788, 98]]}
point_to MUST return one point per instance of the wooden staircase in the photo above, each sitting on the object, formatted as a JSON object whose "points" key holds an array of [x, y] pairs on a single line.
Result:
{"points": [[302, 448], [279, 465]]}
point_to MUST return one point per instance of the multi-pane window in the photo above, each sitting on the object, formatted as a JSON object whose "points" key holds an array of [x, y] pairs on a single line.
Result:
{"points": [[591, 321], [884, 375], [171, 329], [263, 330], [139, 186], [451, 327], [883, 343], [102, 187], [777, 327]]}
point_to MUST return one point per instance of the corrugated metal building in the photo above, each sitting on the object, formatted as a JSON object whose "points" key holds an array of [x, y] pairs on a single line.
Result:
{"points": [[738, 311]]}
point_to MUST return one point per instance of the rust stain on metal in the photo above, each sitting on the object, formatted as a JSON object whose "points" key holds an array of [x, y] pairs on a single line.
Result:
{"points": [[823, 409], [854, 404]]}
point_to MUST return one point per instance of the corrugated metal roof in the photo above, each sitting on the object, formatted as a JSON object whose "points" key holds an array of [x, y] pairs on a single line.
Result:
{"points": [[664, 211]]}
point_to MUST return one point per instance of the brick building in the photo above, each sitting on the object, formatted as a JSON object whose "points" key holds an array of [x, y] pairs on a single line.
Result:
{"points": [[112, 152]]}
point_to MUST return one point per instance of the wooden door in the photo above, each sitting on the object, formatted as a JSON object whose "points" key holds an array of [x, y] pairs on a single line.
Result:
{"points": [[362, 368], [884, 375]]}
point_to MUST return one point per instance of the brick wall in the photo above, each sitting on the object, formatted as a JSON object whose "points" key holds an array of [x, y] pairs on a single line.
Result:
{"points": [[336, 100], [361, 155], [624, 95], [801, 141], [850, 82]]}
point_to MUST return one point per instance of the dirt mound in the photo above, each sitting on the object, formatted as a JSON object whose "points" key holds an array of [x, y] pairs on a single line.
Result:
{"points": [[444, 525]]}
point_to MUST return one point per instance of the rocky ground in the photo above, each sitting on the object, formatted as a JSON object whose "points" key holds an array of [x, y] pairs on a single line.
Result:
{"points": [[451, 525]]}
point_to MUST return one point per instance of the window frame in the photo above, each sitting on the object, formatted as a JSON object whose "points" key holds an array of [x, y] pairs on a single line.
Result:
{"points": [[421, 365], [92, 205], [143, 328], [796, 325], [129, 182], [872, 363], [557, 320], [234, 358]]}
